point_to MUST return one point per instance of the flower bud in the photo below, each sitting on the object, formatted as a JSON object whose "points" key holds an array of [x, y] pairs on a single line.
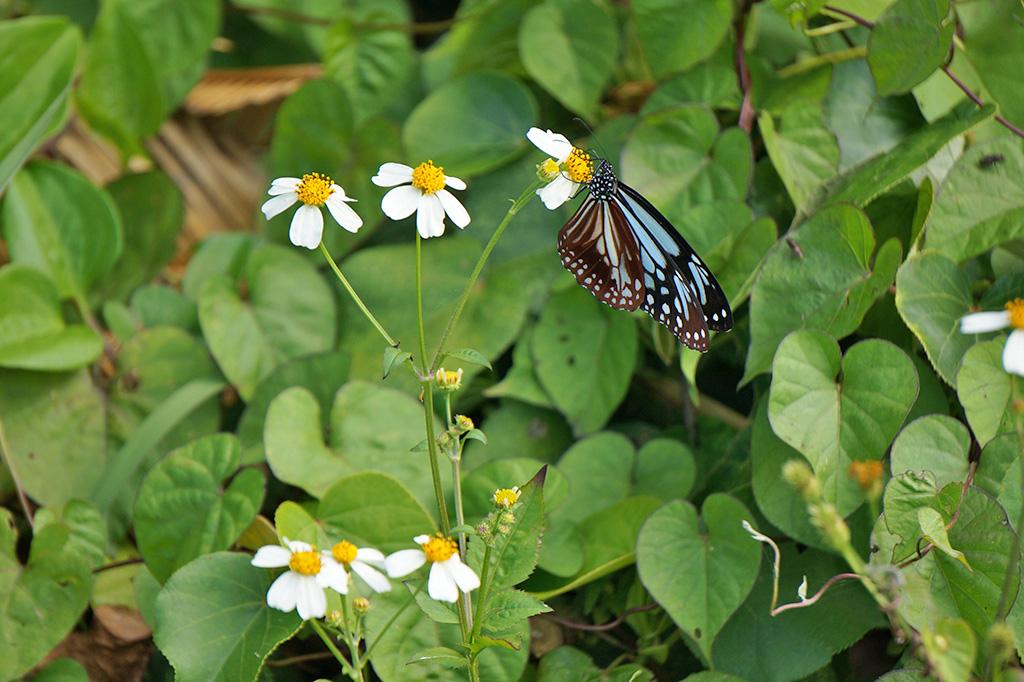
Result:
{"points": [[361, 605], [449, 381], [335, 619], [830, 522], [548, 170], [799, 475], [463, 424]]}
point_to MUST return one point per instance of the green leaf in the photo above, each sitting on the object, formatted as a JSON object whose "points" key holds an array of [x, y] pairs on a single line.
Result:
{"points": [[152, 212], [753, 644], [292, 522], [984, 389], [932, 294], [39, 64], [371, 429], [664, 468], [514, 553], [599, 469], [185, 509], [249, 338], [322, 374], [521, 382], [998, 473], [212, 622], [876, 176], [42, 600], [570, 47], [507, 610], [373, 509], [933, 526], [909, 41], [979, 205], [58, 222], [699, 577], [33, 334], [471, 125], [935, 443], [449, 658], [87, 531], [950, 648], [897, 531], [368, 63], [584, 353], [802, 149], [55, 432], [678, 159], [393, 356], [469, 355], [835, 280], [515, 428], [157, 305], [995, 53], [833, 424], [677, 35], [143, 59], [479, 486], [62, 670]]}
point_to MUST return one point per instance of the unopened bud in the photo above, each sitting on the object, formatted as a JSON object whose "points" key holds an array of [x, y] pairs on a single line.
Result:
{"points": [[448, 381], [830, 522], [361, 605], [799, 475], [463, 423], [1001, 641], [548, 170], [335, 619]]}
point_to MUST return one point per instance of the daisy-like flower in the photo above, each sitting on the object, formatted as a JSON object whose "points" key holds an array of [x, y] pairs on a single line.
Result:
{"points": [[425, 194], [1012, 316], [313, 190], [448, 380], [363, 561], [505, 498], [302, 585], [448, 574], [568, 168]]}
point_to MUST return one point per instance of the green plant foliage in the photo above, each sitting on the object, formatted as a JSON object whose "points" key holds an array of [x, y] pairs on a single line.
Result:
{"points": [[910, 41], [677, 35]]}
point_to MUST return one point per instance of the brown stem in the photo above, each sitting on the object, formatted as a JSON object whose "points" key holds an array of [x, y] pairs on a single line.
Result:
{"points": [[117, 564], [952, 76], [746, 121], [301, 658], [607, 626], [817, 595]]}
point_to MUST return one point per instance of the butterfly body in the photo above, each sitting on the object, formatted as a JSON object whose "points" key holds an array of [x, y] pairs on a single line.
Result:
{"points": [[626, 253]]}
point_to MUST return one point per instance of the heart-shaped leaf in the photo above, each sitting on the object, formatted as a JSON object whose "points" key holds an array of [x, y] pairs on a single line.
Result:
{"points": [[184, 510], [832, 424], [373, 509], [698, 576], [985, 390]]}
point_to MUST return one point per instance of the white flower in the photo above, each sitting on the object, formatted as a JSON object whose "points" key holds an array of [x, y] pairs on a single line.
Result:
{"points": [[1013, 316], [302, 585], [568, 168], [313, 190], [425, 195], [362, 560], [448, 574]]}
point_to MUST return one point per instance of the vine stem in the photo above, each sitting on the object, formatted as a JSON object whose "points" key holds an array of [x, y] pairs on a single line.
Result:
{"points": [[829, 9], [345, 665], [1005, 598], [517, 205], [355, 297], [391, 621], [746, 121], [8, 458]]}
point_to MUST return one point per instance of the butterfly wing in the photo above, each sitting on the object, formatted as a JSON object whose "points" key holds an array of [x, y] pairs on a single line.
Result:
{"points": [[655, 233], [598, 248]]}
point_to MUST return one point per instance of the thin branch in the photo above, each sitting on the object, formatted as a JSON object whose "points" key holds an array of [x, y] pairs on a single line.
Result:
{"points": [[423, 27], [945, 69], [6, 456], [746, 121], [117, 564], [607, 626], [709, 407], [817, 595], [302, 658]]}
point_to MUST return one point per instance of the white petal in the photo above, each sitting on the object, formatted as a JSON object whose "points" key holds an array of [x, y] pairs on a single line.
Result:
{"points": [[279, 204], [404, 562], [401, 202], [283, 594], [441, 585], [553, 144], [374, 578], [421, 539], [430, 216], [339, 193], [557, 192], [271, 556], [454, 208], [311, 602], [1013, 353], [307, 227], [344, 215], [291, 183], [298, 545], [979, 323], [464, 576], [277, 190], [454, 182], [333, 575], [371, 556], [391, 174]]}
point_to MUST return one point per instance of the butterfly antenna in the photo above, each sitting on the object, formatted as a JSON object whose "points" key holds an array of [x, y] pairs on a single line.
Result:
{"points": [[603, 155]]}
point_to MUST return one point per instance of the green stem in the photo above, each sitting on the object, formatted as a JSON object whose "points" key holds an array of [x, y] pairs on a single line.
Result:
{"points": [[351, 638], [483, 590], [1005, 598], [391, 621], [517, 205], [7, 457], [345, 665], [355, 297], [466, 601]]}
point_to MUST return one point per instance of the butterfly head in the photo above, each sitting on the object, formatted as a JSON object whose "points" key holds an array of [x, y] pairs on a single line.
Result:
{"points": [[604, 183]]}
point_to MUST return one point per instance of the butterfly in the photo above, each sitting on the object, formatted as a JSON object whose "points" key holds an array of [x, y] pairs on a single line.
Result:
{"points": [[628, 255]]}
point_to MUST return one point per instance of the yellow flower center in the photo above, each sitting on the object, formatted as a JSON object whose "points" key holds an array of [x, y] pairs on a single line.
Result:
{"points": [[463, 422], [439, 548], [548, 170], [314, 189], [578, 166], [1016, 309], [506, 497], [344, 552], [428, 178], [305, 563], [449, 379]]}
